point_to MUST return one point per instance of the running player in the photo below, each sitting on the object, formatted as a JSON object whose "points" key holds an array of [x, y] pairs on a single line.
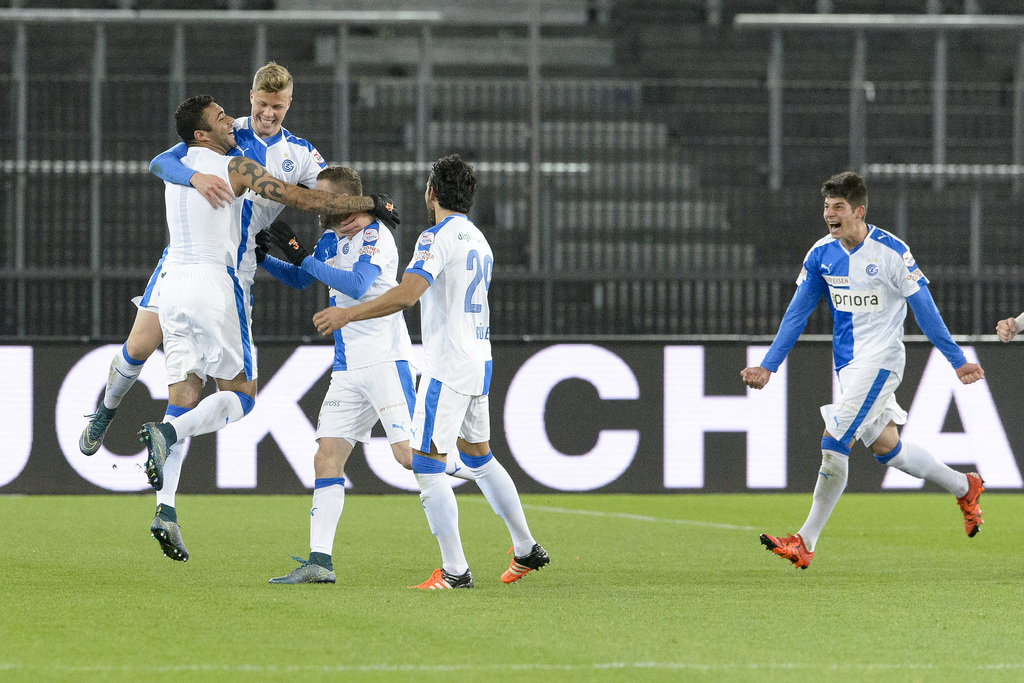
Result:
{"points": [[869, 277], [260, 137], [451, 272], [205, 314]]}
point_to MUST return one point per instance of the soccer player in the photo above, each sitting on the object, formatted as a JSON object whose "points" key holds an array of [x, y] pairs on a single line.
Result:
{"points": [[205, 314], [869, 277], [372, 379], [450, 273], [260, 137]]}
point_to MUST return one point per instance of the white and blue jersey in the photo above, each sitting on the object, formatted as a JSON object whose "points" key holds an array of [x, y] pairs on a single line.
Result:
{"points": [[286, 156], [357, 270], [868, 289], [455, 258]]}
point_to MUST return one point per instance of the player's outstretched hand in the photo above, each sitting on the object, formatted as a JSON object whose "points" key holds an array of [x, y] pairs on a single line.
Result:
{"points": [[213, 188], [756, 377], [1007, 329], [284, 237], [263, 243], [969, 373], [384, 209], [329, 320]]}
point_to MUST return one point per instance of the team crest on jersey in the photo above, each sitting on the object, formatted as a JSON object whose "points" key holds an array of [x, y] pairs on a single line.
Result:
{"points": [[908, 260], [370, 235], [317, 158], [426, 239], [288, 165], [344, 248], [871, 270]]}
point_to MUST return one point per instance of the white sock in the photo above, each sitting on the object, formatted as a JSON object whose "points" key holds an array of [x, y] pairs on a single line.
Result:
{"points": [[328, 502], [120, 378], [443, 517], [172, 466], [213, 412], [454, 467], [500, 491], [917, 462], [832, 476]]}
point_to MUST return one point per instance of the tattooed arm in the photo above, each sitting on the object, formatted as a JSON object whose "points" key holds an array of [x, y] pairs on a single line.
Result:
{"points": [[246, 173]]}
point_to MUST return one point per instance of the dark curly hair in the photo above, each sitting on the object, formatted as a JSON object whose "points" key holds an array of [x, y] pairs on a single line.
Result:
{"points": [[846, 185], [453, 183], [189, 117]]}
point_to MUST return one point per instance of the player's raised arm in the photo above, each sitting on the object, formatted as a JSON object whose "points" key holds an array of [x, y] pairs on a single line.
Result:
{"points": [[246, 173]]}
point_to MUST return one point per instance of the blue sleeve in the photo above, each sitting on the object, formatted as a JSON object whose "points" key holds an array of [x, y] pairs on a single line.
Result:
{"points": [[167, 166], [793, 323], [287, 273], [354, 283], [930, 322]]}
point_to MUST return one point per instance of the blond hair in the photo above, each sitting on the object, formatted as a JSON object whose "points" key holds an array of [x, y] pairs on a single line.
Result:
{"points": [[271, 77], [347, 179]]}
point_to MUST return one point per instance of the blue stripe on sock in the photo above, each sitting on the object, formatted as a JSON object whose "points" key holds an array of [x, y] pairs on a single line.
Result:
{"points": [[830, 444], [886, 457], [128, 359], [475, 461], [421, 464], [319, 483], [247, 401], [176, 411]]}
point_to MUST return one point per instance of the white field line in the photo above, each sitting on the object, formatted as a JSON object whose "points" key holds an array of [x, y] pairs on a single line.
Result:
{"points": [[448, 668], [639, 518]]}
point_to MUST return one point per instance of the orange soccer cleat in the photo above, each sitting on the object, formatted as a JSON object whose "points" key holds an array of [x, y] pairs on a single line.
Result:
{"points": [[442, 580], [791, 548], [969, 504]]}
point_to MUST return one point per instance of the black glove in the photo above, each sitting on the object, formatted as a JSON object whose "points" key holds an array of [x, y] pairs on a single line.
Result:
{"points": [[284, 237], [262, 245], [384, 209]]}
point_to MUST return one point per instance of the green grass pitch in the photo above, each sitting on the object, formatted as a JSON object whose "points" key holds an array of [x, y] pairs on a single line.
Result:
{"points": [[639, 588]]}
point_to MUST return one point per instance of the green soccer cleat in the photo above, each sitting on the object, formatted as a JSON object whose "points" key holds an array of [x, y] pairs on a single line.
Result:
{"points": [[92, 435], [158, 437], [168, 535], [306, 572]]}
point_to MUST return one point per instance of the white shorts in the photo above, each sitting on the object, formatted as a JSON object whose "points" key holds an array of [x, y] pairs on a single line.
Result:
{"points": [[866, 405], [150, 299], [206, 319], [358, 398], [443, 414]]}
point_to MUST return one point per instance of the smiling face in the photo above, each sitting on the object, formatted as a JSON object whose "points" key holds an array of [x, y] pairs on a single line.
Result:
{"points": [[845, 222], [268, 110], [221, 134]]}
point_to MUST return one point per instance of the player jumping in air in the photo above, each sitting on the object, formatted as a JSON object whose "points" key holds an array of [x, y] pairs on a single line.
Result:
{"points": [[869, 278]]}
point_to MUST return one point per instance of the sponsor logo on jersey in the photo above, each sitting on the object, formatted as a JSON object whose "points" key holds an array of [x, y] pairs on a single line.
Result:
{"points": [[826, 267], [463, 236], [836, 280], [288, 165], [915, 275], [422, 256], [332, 404], [426, 239], [856, 301], [871, 270], [369, 249], [370, 235], [908, 259], [317, 158]]}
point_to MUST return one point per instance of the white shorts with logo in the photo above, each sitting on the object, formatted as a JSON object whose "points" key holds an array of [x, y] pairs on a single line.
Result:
{"points": [[443, 414], [206, 319], [358, 398], [866, 405]]}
